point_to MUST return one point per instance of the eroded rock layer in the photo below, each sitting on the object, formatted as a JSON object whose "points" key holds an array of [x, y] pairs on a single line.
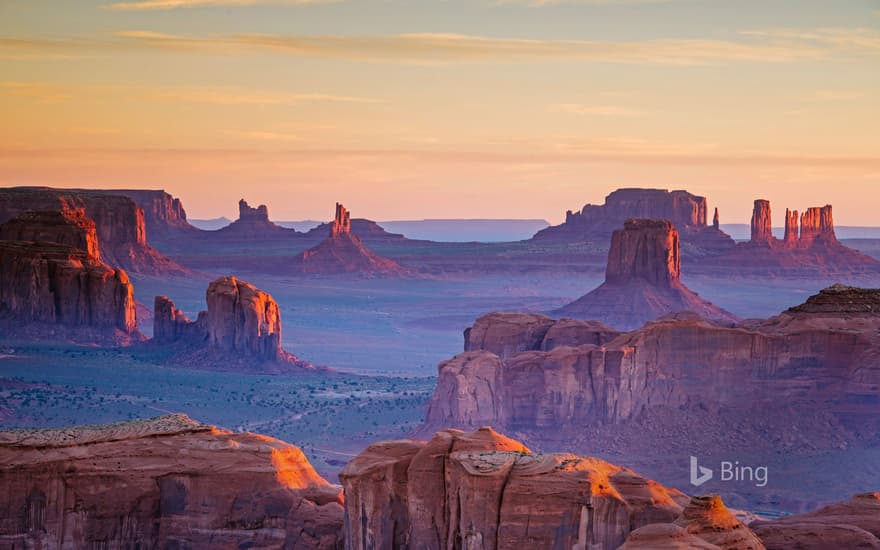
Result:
{"points": [[483, 490], [52, 290], [162, 483]]}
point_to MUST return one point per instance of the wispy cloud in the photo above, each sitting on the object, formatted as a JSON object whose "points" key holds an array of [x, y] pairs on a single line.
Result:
{"points": [[56, 92], [262, 135], [835, 95], [150, 5], [593, 110], [773, 46]]}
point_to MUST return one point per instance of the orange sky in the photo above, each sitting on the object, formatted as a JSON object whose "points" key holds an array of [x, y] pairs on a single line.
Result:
{"points": [[462, 108]]}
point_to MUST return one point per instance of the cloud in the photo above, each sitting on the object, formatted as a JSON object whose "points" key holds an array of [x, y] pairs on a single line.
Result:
{"points": [[262, 135], [56, 92], [593, 110], [149, 5], [835, 95], [774, 46], [544, 3]]}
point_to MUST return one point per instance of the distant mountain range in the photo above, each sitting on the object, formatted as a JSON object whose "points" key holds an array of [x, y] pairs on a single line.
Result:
{"points": [[432, 230]]}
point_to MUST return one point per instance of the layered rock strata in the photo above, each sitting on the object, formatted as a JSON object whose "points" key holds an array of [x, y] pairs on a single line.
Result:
{"points": [[162, 483]]}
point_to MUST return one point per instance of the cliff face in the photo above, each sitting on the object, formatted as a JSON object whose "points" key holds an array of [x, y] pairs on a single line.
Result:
{"points": [[687, 212], [162, 483], [822, 355], [119, 224], [66, 227], [53, 290], [483, 490], [164, 215], [762, 225], [642, 280], [343, 252]]}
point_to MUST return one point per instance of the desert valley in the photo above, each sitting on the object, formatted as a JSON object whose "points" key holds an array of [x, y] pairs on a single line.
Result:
{"points": [[586, 343]]}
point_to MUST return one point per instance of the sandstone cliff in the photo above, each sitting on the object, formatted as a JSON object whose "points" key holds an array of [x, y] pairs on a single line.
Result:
{"points": [[343, 252], [119, 223], [66, 227], [56, 291], [762, 222], [240, 329], [162, 483], [642, 280], [483, 490], [164, 215]]}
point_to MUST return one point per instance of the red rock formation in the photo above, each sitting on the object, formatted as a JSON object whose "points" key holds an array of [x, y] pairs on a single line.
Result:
{"points": [[162, 483], [852, 524], [708, 518], [164, 215], [817, 225], [483, 490], [56, 291], [67, 227], [506, 334], [119, 223], [813, 372], [689, 214], [343, 252], [642, 280], [253, 223], [241, 329], [792, 234], [716, 222], [762, 222]]}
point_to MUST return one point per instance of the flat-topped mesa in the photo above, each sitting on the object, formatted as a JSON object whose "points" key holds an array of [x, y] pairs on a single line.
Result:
{"points": [[50, 290], [246, 213], [817, 226], [67, 227], [483, 490], [762, 228], [791, 228], [167, 482], [645, 249], [342, 222]]}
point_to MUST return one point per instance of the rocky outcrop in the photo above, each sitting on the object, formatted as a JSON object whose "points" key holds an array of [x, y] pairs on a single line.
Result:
{"points": [[56, 291], [665, 536], [240, 329], [119, 223], [851, 524], [762, 222], [164, 214], [162, 483], [506, 334], [483, 490], [642, 280], [66, 227], [792, 233], [687, 212], [817, 227], [342, 252], [716, 221], [252, 223], [809, 376]]}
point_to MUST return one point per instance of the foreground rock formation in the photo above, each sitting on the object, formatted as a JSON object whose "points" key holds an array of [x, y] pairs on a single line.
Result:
{"points": [[642, 280], [344, 252], [119, 224], [242, 326], [484, 490], [162, 483], [55, 291], [803, 381], [687, 212], [66, 227]]}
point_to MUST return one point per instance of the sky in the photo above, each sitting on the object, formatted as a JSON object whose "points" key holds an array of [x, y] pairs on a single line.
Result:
{"points": [[409, 109]]}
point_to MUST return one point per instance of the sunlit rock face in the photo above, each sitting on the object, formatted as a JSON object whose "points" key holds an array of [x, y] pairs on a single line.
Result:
{"points": [[484, 490], [119, 224], [67, 227], [343, 252], [56, 291], [642, 280], [162, 483]]}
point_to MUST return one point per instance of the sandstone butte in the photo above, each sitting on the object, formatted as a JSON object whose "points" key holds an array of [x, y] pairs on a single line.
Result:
{"points": [[56, 291], [240, 329], [809, 245], [168, 482], [344, 252], [816, 366], [119, 224], [642, 280], [687, 212], [253, 222]]}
